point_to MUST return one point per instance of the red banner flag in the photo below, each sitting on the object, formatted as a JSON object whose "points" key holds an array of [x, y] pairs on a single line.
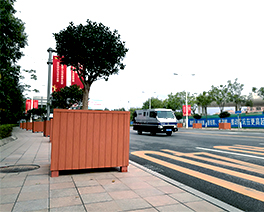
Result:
{"points": [[35, 104], [28, 104], [59, 74], [75, 80], [184, 110]]}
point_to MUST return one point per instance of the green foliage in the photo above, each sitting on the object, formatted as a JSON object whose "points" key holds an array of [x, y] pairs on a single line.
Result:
{"points": [[94, 50], [6, 130], [155, 103], [66, 97], [259, 91], [235, 90], [221, 95], [178, 115], [224, 114], [36, 113], [197, 116]]}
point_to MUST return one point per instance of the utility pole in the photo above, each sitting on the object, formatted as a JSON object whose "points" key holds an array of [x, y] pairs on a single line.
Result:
{"points": [[50, 50]]}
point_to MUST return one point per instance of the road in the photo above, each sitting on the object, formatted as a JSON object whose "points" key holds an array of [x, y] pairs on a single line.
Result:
{"points": [[226, 165]]}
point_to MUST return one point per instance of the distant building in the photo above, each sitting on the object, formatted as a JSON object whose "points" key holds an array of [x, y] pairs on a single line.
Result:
{"points": [[255, 109]]}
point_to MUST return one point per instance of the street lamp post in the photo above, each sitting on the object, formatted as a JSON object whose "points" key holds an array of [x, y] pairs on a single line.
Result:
{"points": [[186, 104], [50, 50]]}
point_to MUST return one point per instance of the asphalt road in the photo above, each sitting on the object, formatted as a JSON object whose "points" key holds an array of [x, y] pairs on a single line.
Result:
{"points": [[226, 165]]}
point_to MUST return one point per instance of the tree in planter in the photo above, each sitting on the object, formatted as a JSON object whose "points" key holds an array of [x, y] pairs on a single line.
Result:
{"points": [[66, 97], [94, 50], [178, 115], [235, 90], [224, 115], [204, 100], [197, 117], [221, 95]]}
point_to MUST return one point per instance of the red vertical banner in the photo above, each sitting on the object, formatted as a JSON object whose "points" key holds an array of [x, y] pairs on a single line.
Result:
{"points": [[28, 104], [59, 74], [184, 110], [75, 80], [35, 104]]}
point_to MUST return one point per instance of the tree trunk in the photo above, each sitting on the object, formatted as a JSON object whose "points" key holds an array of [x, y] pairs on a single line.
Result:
{"points": [[86, 92]]}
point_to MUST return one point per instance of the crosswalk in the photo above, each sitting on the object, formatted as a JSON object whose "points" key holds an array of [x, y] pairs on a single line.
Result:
{"points": [[217, 163]]}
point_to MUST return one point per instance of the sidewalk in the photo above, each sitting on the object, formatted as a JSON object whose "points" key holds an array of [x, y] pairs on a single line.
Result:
{"points": [[92, 190]]}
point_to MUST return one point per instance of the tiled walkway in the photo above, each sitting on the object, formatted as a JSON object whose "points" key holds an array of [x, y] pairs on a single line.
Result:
{"points": [[93, 190]]}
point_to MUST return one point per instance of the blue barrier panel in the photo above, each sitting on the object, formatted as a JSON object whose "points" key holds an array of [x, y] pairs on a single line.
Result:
{"points": [[249, 122]]}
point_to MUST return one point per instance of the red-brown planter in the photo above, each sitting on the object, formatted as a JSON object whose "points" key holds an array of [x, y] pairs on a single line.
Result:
{"points": [[29, 126], [37, 126], [197, 125], [86, 139], [46, 127], [179, 125], [225, 126], [24, 125], [20, 125]]}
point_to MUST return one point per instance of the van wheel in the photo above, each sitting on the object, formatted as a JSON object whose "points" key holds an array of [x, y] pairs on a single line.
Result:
{"points": [[169, 133], [139, 132]]}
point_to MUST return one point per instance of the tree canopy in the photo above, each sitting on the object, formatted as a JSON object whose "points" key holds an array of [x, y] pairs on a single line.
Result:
{"points": [[94, 50], [12, 39]]}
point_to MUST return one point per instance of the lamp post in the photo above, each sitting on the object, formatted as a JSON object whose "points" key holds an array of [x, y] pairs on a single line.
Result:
{"points": [[186, 104], [50, 50]]}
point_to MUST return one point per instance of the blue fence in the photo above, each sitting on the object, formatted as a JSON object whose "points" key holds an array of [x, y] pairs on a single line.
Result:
{"points": [[249, 122]]}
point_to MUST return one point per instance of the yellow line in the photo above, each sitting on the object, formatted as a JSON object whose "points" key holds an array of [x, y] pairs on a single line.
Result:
{"points": [[223, 183], [229, 135], [235, 163]]}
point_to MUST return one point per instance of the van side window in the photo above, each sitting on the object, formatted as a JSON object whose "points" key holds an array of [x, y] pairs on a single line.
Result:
{"points": [[144, 114], [152, 114]]}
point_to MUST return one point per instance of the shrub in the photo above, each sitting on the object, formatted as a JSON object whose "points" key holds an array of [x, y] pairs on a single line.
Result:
{"points": [[224, 114], [178, 115], [6, 130]]}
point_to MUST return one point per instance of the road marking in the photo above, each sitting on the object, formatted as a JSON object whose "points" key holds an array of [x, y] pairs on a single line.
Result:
{"points": [[242, 136], [239, 148], [223, 183], [233, 153], [221, 160]]}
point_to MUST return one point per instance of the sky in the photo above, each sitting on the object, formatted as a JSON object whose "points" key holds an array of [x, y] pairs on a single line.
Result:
{"points": [[215, 40]]}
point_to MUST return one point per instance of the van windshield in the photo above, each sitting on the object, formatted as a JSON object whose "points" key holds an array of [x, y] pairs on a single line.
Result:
{"points": [[165, 114]]}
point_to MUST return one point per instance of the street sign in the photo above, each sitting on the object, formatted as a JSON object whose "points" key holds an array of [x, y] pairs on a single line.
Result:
{"points": [[238, 112]]}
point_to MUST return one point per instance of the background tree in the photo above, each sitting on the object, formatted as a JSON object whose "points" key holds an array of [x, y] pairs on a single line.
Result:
{"points": [[235, 96], [204, 100], [12, 39], [155, 103], [220, 95], [259, 91], [94, 50], [66, 97], [173, 102]]}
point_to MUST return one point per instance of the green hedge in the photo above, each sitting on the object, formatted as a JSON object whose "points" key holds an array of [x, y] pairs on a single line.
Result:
{"points": [[6, 130]]}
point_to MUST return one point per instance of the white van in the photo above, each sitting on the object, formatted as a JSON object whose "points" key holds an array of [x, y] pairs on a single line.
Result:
{"points": [[155, 121]]}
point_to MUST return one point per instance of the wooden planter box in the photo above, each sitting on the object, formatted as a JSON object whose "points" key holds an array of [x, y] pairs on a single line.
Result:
{"points": [[225, 126], [179, 125], [20, 125], [46, 128], [24, 125], [37, 126], [86, 139], [28, 125], [197, 125]]}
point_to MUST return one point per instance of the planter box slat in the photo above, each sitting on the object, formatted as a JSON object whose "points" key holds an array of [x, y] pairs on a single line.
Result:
{"points": [[89, 139], [37, 126]]}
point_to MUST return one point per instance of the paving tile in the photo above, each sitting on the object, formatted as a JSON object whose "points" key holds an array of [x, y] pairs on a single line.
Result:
{"points": [[34, 195], [96, 197], [170, 189], [60, 179], [161, 200], [123, 194], [203, 206], [33, 188], [108, 181], [138, 185], [103, 206], [55, 193], [62, 185], [9, 198], [5, 191], [175, 207], [11, 183], [32, 205], [185, 197], [133, 204], [6, 207], [86, 183], [116, 187], [65, 201], [36, 182], [146, 210], [91, 189], [148, 192], [158, 183], [77, 208]]}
